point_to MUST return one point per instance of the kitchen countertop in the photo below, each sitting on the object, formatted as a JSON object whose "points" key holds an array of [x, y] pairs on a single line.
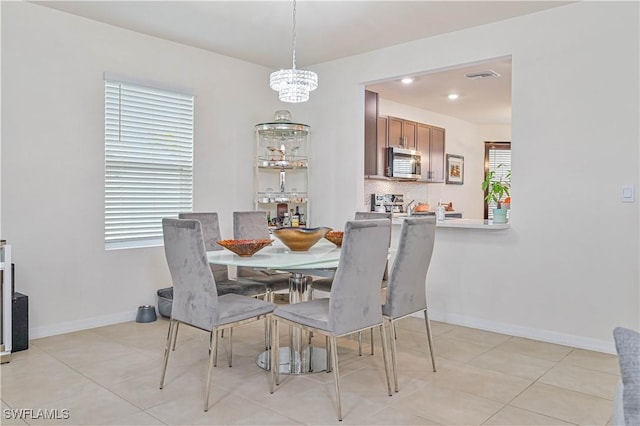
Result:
{"points": [[460, 223], [454, 213]]}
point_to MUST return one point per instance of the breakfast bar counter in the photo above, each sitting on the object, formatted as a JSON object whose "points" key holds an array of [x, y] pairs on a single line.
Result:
{"points": [[481, 224], [471, 224]]}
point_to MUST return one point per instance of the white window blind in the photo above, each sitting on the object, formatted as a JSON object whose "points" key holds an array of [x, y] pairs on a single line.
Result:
{"points": [[500, 162], [148, 162]]}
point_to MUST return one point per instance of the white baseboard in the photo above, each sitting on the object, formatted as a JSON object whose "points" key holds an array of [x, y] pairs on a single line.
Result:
{"points": [[83, 324], [494, 326], [525, 332]]}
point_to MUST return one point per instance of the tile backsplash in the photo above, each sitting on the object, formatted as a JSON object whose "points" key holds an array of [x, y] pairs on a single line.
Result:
{"points": [[417, 191]]}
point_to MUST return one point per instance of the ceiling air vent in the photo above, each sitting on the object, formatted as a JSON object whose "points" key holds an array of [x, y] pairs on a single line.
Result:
{"points": [[482, 74]]}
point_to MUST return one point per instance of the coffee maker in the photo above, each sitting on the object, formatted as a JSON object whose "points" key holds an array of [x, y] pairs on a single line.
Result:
{"points": [[387, 203]]}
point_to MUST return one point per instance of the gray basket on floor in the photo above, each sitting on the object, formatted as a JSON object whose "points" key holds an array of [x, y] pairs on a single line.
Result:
{"points": [[165, 301]]}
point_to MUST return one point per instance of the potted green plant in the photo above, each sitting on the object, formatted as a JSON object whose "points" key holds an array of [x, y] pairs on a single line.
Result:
{"points": [[497, 186]]}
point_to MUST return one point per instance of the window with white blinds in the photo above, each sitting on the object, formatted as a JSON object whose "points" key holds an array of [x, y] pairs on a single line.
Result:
{"points": [[498, 159], [148, 162]]}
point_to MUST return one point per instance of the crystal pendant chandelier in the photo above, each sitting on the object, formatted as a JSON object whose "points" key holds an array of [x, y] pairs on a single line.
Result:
{"points": [[293, 85]]}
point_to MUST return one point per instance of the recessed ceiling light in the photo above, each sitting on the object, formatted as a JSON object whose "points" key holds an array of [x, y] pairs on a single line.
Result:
{"points": [[407, 80], [453, 96]]}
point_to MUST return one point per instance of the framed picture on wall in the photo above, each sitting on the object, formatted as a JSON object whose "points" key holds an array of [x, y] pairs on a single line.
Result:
{"points": [[455, 169]]}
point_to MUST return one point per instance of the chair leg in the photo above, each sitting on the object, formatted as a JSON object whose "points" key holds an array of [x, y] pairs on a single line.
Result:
{"points": [[213, 349], [230, 347], [275, 355], [175, 336], [385, 356], [336, 374], [394, 364], [372, 341], [310, 297], [167, 349], [267, 334], [327, 344], [429, 339], [360, 342]]}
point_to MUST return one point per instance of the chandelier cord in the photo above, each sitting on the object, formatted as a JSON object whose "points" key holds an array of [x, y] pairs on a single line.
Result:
{"points": [[293, 85], [293, 42]]}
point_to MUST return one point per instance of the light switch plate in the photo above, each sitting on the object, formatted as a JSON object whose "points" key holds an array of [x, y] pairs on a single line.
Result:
{"points": [[627, 193]]}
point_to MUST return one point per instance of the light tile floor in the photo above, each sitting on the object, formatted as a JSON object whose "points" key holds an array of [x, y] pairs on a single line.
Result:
{"points": [[110, 375]]}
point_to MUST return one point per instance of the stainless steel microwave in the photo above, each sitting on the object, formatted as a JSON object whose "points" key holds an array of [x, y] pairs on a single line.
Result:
{"points": [[403, 163]]}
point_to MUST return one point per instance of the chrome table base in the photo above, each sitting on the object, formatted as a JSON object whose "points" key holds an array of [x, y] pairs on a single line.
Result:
{"points": [[299, 357], [311, 360]]}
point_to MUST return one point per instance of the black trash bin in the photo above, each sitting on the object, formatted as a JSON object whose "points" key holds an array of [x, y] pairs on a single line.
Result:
{"points": [[19, 322], [165, 301]]}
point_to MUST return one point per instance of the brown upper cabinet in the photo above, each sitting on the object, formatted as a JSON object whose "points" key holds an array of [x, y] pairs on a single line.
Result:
{"points": [[401, 133], [383, 132], [436, 171], [423, 137], [430, 142], [371, 134], [382, 145]]}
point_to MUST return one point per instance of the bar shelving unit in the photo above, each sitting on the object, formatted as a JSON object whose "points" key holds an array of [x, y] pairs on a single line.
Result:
{"points": [[282, 168]]}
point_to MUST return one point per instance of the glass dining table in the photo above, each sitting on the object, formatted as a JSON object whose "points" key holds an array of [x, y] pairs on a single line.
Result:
{"points": [[300, 357]]}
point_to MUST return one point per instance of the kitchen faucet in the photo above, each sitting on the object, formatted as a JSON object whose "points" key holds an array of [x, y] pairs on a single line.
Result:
{"points": [[409, 207]]}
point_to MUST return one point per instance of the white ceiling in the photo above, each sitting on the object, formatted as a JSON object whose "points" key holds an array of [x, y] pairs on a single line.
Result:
{"points": [[260, 32], [482, 101]]}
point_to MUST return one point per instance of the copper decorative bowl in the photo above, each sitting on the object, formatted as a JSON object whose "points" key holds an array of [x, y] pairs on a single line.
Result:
{"points": [[300, 239], [244, 248], [335, 237]]}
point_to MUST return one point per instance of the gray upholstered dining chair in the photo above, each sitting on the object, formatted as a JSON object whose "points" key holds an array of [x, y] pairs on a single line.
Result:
{"points": [[211, 234], [251, 225], [406, 289], [224, 285], [195, 297], [378, 215], [354, 304], [324, 284]]}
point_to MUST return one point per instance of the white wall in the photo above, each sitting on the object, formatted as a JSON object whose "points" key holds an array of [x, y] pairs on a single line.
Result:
{"points": [[494, 133], [570, 273], [569, 264], [53, 157]]}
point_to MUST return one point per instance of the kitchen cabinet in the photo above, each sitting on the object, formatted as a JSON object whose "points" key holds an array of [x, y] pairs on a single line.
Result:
{"points": [[383, 132], [394, 131], [401, 133], [423, 137], [409, 134], [371, 151], [436, 171], [430, 143], [381, 147], [281, 170]]}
